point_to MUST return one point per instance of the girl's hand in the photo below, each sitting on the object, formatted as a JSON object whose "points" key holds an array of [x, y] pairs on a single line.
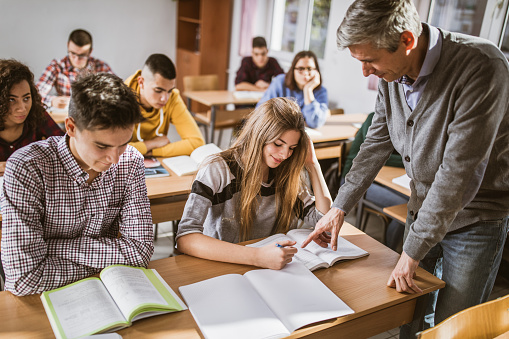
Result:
{"points": [[276, 257], [311, 157], [313, 82]]}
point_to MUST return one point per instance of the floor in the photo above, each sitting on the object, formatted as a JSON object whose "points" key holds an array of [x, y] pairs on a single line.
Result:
{"points": [[164, 248]]}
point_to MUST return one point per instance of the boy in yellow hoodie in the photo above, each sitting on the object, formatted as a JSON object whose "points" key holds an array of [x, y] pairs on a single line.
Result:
{"points": [[160, 105]]}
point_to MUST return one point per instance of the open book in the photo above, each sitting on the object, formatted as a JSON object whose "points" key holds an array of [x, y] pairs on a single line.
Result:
{"points": [[184, 164], [120, 296], [261, 303], [315, 256]]}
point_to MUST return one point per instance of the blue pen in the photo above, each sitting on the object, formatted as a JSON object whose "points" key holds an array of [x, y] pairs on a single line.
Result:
{"points": [[279, 245]]}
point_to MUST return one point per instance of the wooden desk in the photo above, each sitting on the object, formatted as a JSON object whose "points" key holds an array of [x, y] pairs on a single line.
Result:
{"points": [[332, 135], [385, 177], [168, 195], [398, 212], [347, 119], [214, 99], [388, 173], [336, 128], [361, 283]]}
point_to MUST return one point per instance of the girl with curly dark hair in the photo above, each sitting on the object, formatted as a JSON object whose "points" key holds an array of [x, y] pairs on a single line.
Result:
{"points": [[23, 118]]}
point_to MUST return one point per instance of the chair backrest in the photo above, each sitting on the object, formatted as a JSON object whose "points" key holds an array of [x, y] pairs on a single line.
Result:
{"points": [[201, 82], [336, 111], [486, 320]]}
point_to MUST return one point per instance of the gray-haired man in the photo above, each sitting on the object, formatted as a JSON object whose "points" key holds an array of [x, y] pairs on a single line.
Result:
{"points": [[442, 104]]}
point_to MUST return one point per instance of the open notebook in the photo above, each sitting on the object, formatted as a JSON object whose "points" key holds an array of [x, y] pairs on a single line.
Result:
{"points": [[261, 303]]}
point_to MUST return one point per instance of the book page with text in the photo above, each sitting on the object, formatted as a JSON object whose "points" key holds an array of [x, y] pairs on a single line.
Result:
{"points": [[130, 288], [303, 256], [346, 250], [228, 307], [297, 296], [84, 308]]}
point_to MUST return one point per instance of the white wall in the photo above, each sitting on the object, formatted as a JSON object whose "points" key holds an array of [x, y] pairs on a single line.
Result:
{"points": [[125, 32], [342, 75]]}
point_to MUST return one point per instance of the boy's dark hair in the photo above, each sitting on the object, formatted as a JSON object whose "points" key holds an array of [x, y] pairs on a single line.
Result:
{"points": [[259, 42], [80, 37], [101, 101], [13, 72], [162, 65]]}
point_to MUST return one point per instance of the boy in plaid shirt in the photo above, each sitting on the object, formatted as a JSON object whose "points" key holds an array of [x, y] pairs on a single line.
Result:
{"points": [[66, 199], [61, 74]]}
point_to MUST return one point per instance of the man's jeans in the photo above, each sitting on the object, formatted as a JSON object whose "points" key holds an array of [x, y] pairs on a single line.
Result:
{"points": [[467, 260]]}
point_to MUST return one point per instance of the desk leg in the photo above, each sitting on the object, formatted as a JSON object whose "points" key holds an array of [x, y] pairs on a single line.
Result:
{"points": [[189, 105], [410, 330], [212, 123]]}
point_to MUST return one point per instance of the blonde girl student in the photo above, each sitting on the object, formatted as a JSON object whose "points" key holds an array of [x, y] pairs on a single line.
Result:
{"points": [[255, 189]]}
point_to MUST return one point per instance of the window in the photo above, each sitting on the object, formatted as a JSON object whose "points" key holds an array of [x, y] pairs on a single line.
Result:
{"points": [[463, 16], [484, 18], [299, 25], [504, 41]]}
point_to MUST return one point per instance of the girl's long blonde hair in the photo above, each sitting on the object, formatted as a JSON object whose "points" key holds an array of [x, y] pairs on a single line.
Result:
{"points": [[264, 126]]}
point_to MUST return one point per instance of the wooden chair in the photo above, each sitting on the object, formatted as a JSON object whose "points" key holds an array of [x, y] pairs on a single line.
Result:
{"points": [[366, 213], [224, 118], [487, 320], [337, 111]]}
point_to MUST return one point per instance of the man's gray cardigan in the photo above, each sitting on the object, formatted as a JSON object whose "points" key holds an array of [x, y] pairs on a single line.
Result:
{"points": [[455, 144]]}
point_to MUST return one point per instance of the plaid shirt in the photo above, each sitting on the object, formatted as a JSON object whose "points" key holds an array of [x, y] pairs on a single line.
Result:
{"points": [[61, 74], [47, 129], [249, 72], [58, 229]]}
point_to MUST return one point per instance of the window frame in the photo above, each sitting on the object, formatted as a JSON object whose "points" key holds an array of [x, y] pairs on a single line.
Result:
{"points": [[494, 23], [302, 35]]}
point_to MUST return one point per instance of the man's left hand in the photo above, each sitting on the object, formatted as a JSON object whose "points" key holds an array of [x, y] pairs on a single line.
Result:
{"points": [[402, 276]]}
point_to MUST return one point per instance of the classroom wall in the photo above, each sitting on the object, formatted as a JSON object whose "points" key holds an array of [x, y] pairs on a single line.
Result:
{"points": [[125, 32], [342, 75]]}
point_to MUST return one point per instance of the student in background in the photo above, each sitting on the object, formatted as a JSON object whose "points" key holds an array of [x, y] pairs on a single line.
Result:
{"points": [[256, 72], [442, 104], [161, 105], [61, 74], [23, 119], [254, 190], [303, 83], [75, 204], [376, 193]]}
